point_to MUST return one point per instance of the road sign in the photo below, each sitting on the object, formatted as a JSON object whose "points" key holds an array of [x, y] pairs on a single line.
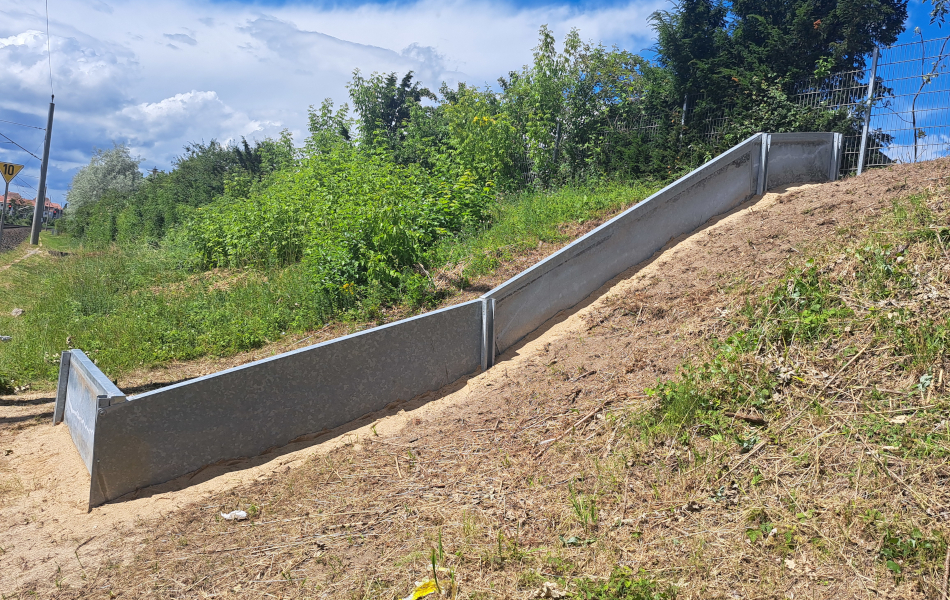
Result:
{"points": [[9, 171]]}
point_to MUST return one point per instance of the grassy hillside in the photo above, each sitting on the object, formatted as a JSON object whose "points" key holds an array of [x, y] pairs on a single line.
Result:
{"points": [[134, 306]]}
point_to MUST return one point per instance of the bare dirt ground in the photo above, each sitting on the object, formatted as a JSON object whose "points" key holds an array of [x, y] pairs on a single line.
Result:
{"points": [[356, 512]]}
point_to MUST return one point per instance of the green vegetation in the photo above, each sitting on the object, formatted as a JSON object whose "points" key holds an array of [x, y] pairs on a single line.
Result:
{"points": [[130, 306], [854, 338], [238, 245], [821, 301], [623, 584]]}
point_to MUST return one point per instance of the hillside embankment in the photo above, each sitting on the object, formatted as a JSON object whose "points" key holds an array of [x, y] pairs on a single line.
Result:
{"points": [[759, 411]]}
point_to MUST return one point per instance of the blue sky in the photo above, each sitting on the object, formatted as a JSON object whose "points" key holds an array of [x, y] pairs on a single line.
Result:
{"points": [[159, 74]]}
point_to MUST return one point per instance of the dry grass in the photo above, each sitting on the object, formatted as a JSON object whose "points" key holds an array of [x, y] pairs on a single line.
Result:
{"points": [[803, 453]]}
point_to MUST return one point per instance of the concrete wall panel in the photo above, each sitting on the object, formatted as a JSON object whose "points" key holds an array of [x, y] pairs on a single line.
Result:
{"points": [[565, 278], [86, 389], [803, 158], [241, 412]]}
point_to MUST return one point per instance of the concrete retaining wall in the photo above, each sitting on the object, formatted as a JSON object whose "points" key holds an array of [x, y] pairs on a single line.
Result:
{"points": [[160, 435], [803, 158], [562, 280], [242, 412]]}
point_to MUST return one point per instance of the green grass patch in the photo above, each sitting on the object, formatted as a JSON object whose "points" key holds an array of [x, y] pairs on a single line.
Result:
{"points": [[59, 242], [139, 306], [624, 584], [520, 221]]}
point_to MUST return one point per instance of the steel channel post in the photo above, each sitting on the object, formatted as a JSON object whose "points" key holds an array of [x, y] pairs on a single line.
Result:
{"points": [[867, 115]]}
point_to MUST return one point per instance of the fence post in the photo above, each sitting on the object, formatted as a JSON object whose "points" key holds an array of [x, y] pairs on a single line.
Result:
{"points": [[867, 115], [683, 116]]}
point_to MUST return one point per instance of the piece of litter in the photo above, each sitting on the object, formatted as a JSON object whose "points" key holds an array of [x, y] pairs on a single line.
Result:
{"points": [[423, 588], [234, 515], [900, 419], [16, 312], [5, 338]]}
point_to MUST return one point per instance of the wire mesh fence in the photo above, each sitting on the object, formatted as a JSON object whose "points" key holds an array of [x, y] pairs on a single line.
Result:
{"points": [[910, 116], [846, 91], [905, 119]]}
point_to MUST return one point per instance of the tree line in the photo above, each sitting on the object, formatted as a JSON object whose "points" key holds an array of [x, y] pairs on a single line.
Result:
{"points": [[384, 177]]}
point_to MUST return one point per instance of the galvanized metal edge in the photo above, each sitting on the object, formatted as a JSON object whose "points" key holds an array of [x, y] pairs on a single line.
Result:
{"points": [[722, 158], [61, 384]]}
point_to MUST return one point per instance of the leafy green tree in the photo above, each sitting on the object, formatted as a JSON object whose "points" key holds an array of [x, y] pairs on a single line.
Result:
{"points": [[112, 170], [384, 104], [328, 129], [479, 137], [939, 13], [563, 101], [718, 47]]}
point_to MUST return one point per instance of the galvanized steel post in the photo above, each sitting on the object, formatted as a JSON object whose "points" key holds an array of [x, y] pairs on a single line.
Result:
{"points": [[867, 115]]}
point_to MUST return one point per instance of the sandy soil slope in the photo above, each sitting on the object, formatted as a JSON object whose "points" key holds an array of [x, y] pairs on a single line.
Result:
{"points": [[435, 458]]}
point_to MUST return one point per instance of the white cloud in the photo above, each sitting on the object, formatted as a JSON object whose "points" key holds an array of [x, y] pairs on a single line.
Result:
{"points": [[163, 73]]}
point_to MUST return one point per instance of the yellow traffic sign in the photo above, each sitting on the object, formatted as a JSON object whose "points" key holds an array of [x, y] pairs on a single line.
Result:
{"points": [[9, 171]]}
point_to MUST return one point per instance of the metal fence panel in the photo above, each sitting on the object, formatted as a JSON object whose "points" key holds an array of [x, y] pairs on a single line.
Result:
{"points": [[86, 389], [802, 158], [910, 119]]}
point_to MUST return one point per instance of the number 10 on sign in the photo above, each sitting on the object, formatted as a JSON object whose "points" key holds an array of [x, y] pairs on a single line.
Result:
{"points": [[9, 171]]}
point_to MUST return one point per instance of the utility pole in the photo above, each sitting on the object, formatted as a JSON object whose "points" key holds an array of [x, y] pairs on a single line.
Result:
{"points": [[41, 190]]}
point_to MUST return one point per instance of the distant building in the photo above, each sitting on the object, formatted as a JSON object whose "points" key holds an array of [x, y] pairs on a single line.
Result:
{"points": [[17, 205]]}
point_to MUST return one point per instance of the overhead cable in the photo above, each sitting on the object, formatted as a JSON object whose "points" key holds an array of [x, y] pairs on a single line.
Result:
{"points": [[21, 124], [21, 147]]}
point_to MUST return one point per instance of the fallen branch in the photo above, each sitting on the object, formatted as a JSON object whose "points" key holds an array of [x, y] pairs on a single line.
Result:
{"points": [[761, 445], [549, 443]]}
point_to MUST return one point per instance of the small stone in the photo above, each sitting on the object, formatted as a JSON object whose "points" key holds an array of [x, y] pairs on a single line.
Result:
{"points": [[16, 312]]}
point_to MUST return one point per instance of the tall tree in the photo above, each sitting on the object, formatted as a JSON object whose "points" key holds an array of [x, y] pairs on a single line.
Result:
{"points": [[384, 104], [707, 44], [112, 170]]}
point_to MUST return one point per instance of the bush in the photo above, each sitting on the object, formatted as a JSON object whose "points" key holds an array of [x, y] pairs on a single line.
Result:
{"points": [[358, 221]]}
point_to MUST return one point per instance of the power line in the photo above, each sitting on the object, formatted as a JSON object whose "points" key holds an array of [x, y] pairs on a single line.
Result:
{"points": [[21, 147], [21, 124], [49, 55], [20, 184]]}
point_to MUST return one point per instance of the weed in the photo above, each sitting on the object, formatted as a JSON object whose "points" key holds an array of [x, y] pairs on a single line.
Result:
{"points": [[624, 584], [906, 553], [585, 508]]}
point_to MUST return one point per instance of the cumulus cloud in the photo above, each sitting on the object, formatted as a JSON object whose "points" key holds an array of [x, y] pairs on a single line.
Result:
{"points": [[160, 74]]}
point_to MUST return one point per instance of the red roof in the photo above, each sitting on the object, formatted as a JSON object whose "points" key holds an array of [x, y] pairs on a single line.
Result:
{"points": [[14, 198]]}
